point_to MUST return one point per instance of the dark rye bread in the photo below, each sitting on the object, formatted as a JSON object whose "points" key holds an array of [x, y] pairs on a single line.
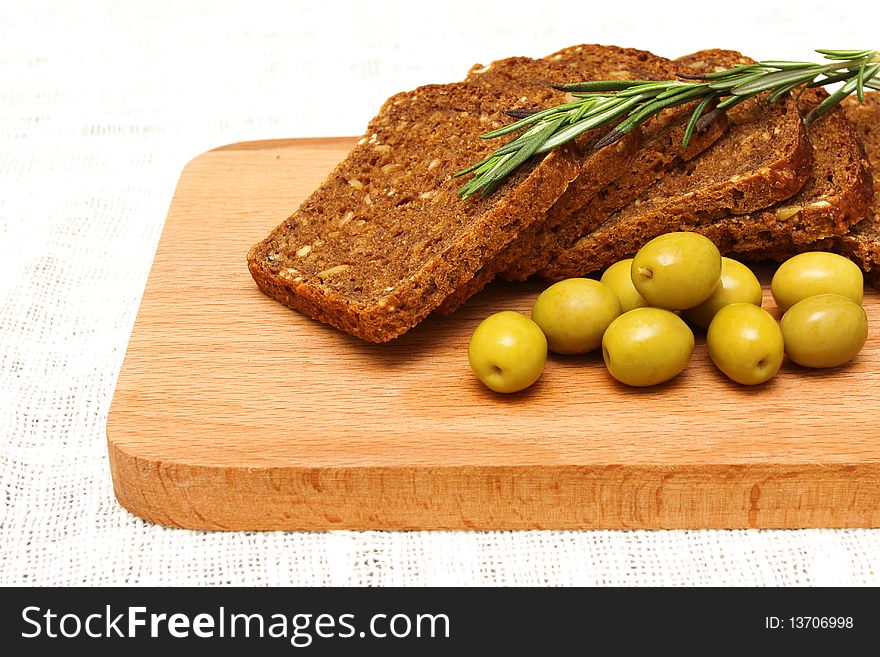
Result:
{"points": [[762, 159], [598, 167], [386, 238], [659, 150], [862, 243], [536, 244], [502, 74], [837, 195]]}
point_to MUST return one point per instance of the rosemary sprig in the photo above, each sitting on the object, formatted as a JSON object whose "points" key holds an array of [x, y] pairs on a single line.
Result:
{"points": [[632, 102]]}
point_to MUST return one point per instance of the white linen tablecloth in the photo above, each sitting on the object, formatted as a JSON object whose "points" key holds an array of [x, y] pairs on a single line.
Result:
{"points": [[102, 104]]}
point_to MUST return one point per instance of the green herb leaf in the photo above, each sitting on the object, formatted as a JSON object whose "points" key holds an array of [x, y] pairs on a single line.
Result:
{"points": [[695, 117], [629, 103]]}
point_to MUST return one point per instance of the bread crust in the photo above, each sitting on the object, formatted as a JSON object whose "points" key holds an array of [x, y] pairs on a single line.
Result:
{"points": [[764, 158], [385, 239], [635, 161], [862, 243], [837, 195]]}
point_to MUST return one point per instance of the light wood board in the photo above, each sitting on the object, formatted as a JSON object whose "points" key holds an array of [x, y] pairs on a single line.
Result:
{"points": [[233, 412]]}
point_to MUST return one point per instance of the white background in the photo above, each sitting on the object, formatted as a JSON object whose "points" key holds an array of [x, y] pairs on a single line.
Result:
{"points": [[102, 104]]}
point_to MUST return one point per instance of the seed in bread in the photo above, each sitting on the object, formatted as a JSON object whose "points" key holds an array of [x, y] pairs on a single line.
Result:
{"points": [[837, 195], [386, 238], [763, 158], [642, 160], [862, 243]]}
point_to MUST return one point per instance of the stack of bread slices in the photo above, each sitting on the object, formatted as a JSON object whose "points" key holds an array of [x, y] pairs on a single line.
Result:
{"points": [[386, 239]]}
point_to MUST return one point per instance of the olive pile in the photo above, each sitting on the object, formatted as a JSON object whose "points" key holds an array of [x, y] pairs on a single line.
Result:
{"points": [[636, 312]]}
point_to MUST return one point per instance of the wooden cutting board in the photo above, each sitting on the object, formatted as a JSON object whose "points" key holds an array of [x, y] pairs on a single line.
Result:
{"points": [[233, 412]]}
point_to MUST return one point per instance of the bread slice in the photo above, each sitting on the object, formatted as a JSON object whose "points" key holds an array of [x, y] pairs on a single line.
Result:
{"points": [[837, 195], [599, 167], [660, 149], [386, 238], [763, 158], [862, 243]]}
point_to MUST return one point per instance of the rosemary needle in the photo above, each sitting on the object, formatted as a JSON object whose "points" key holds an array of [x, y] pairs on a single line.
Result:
{"points": [[632, 102]]}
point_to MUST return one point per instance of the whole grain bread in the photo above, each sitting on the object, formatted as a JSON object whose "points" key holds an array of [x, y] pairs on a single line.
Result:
{"points": [[580, 62], [661, 150], [658, 151], [762, 159], [862, 243], [386, 238], [837, 195]]}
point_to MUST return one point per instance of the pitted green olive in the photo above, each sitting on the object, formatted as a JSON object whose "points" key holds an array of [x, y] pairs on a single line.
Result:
{"points": [[738, 285], [574, 314], [816, 272], [647, 346], [745, 343], [507, 352], [825, 330], [677, 271], [619, 279]]}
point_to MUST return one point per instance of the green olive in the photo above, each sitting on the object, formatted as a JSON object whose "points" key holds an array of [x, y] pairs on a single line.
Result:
{"points": [[507, 352], [677, 271], [647, 346], [738, 285], [574, 314], [619, 279], [816, 272], [826, 330], [745, 342]]}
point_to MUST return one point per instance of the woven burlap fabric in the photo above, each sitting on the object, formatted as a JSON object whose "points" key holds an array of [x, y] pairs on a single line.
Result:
{"points": [[101, 107]]}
